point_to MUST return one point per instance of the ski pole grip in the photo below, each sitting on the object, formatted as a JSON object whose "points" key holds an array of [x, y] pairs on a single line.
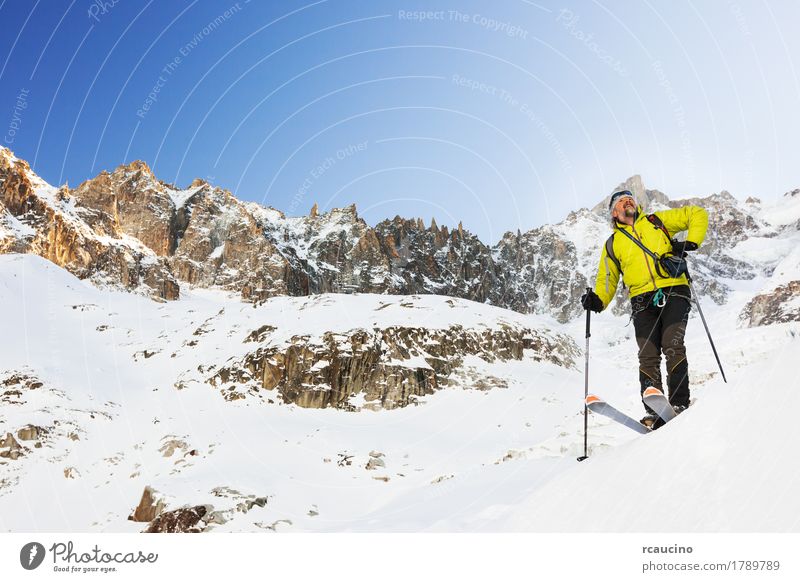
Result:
{"points": [[588, 315]]}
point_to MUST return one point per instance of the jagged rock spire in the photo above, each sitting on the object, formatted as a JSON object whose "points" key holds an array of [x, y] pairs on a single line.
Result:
{"points": [[647, 198]]}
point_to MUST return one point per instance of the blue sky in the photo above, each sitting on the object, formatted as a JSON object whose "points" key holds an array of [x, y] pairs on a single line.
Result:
{"points": [[502, 115]]}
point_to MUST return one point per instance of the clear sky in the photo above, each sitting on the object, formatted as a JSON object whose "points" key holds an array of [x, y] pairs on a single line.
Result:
{"points": [[504, 114]]}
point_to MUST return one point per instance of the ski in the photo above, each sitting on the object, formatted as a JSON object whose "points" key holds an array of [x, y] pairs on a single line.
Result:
{"points": [[600, 406], [655, 399]]}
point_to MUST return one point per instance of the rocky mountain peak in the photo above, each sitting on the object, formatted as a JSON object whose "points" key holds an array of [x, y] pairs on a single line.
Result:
{"points": [[635, 185], [87, 240], [650, 200], [9, 160], [135, 166], [5, 152], [581, 214], [129, 229]]}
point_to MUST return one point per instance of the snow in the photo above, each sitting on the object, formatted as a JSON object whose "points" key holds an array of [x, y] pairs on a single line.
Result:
{"points": [[11, 226], [313, 316], [251, 446], [584, 233], [412, 362], [782, 212], [265, 214], [501, 459], [787, 269], [764, 251], [217, 252], [696, 475], [180, 197], [779, 256], [298, 235]]}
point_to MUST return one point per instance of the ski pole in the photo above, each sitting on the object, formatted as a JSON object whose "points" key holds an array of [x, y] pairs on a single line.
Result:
{"points": [[705, 325], [586, 387]]}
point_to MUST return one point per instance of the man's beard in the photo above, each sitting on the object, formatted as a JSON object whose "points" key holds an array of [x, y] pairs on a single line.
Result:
{"points": [[630, 211]]}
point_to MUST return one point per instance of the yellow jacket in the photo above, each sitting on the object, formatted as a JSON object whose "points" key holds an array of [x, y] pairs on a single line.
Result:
{"points": [[639, 273]]}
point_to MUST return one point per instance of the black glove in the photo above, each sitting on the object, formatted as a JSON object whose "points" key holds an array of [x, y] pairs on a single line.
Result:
{"points": [[680, 248], [591, 301]]}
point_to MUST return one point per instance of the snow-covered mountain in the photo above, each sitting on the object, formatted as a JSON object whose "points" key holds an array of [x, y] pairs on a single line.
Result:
{"points": [[129, 230], [177, 360]]}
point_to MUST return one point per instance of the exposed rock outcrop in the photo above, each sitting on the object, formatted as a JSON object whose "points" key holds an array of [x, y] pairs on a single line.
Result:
{"points": [[780, 305], [10, 448], [183, 520], [151, 505], [390, 367], [58, 231], [541, 273], [31, 433], [200, 518]]}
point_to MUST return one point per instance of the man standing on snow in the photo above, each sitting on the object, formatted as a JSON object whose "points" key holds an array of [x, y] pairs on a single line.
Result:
{"points": [[660, 295]]}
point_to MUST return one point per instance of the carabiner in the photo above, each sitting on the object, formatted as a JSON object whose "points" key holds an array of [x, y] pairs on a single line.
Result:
{"points": [[659, 299]]}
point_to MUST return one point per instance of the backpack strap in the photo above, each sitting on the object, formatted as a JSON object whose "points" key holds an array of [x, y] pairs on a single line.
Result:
{"points": [[611, 255], [656, 222], [656, 259]]}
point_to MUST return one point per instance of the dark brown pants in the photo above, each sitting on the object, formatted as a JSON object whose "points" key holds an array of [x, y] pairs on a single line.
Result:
{"points": [[661, 330]]}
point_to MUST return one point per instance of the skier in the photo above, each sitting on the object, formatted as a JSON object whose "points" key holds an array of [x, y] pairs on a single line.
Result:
{"points": [[659, 292]]}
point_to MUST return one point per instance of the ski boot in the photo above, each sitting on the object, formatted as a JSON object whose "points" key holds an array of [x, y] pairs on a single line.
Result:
{"points": [[652, 421]]}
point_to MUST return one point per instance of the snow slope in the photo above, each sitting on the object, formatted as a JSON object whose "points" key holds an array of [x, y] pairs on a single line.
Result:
{"points": [[463, 460], [725, 466], [105, 361]]}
